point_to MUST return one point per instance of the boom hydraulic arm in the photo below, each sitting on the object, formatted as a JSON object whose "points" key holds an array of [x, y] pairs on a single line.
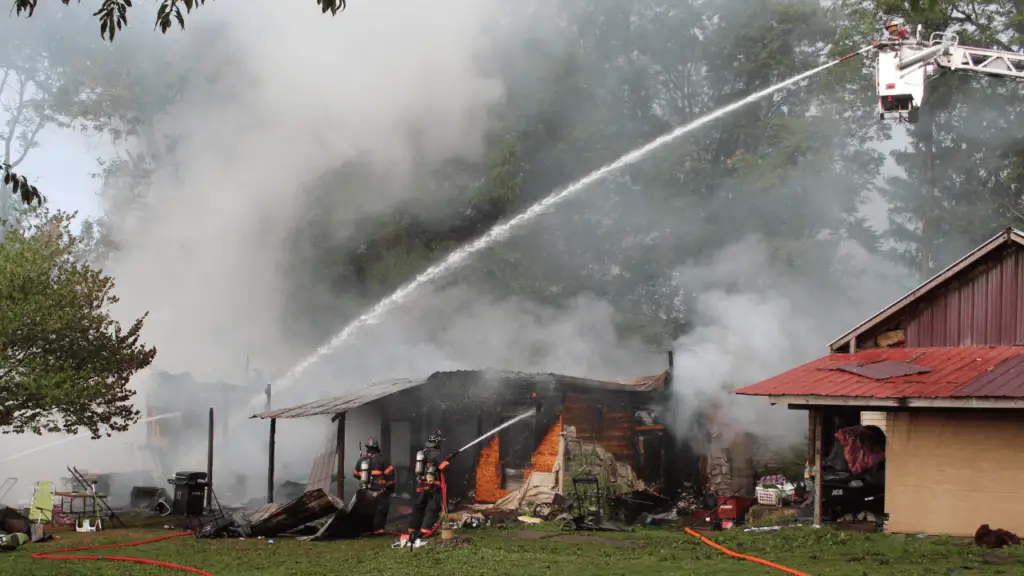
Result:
{"points": [[905, 63]]}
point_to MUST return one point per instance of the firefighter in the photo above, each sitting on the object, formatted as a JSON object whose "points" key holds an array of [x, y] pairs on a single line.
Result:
{"points": [[378, 476], [430, 466], [897, 31]]}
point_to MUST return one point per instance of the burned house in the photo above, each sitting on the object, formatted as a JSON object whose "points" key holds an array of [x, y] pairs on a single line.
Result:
{"points": [[624, 418], [939, 374]]}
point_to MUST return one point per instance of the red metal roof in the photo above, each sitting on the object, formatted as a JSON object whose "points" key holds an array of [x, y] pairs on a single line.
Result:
{"points": [[994, 371]]}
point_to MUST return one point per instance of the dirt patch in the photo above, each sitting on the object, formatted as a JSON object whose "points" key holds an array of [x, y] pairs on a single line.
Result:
{"points": [[530, 535], [457, 542], [865, 527], [997, 559], [580, 539]]}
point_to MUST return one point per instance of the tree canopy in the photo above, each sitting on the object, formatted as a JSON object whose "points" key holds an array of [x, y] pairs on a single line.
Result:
{"points": [[65, 363]]}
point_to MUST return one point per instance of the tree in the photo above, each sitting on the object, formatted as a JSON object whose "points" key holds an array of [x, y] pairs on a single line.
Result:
{"points": [[18, 185], [25, 86], [65, 363], [25, 119], [113, 14], [19, 134]]}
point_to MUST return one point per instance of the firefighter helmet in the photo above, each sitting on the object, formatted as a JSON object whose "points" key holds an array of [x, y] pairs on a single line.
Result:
{"points": [[435, 439], [373, 445]]}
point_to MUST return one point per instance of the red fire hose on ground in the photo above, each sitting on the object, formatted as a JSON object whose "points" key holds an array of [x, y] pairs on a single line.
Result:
{"points": [[50, 554], [739, 556]]}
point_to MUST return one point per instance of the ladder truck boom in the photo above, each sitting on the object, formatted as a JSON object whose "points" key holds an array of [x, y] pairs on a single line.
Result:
{"points": [[905, 64], [983, 61]]}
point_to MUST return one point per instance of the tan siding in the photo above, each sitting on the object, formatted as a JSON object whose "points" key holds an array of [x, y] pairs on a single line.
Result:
{"points": [[948, 473]]}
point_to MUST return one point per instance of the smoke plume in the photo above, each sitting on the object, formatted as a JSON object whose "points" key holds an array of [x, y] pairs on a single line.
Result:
{"points": [[754, 319], [273, 99]]}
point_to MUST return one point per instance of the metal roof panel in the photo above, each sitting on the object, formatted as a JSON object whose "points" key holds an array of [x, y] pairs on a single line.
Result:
{"points": [[954, 372]]}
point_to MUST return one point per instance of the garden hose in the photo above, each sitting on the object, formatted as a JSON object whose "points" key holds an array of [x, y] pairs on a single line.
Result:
{"points": [[739, 556], [49, 554]]}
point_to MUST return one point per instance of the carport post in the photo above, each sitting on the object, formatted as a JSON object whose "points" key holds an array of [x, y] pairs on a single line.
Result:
{"points": [[270, 463], [818, 417], [209, 465], [341, 454]]}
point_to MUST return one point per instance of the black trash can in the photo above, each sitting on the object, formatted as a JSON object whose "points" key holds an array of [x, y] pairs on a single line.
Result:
{"points": [[189, 493]]}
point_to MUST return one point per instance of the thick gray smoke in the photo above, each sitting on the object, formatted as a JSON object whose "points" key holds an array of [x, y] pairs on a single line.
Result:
{"points": [[206, 254], [755, 321], [276, 98]]}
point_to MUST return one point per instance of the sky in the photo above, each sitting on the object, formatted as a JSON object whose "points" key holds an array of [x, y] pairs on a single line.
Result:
{"points": [[62, 167]]}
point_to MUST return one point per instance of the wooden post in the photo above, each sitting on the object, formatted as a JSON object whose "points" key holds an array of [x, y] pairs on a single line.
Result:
{"points": [[341, 455], [385, 433], [209, 465], [270, 462], [818, 420], [812, 435]]}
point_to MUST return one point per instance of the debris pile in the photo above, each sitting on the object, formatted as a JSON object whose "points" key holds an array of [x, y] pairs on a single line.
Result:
{"points": [[986, 537]]}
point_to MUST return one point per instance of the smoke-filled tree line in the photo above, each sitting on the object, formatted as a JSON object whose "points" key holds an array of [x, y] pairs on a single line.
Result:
{"points": [[659, 65], [796, 168]]}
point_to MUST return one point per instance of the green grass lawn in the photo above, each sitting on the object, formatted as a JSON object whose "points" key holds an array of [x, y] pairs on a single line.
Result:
{"points": [[526, 551]]}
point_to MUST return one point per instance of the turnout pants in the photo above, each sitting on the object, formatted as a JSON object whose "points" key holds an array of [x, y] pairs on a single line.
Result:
{"points": [[426, 512], [380, 517]]}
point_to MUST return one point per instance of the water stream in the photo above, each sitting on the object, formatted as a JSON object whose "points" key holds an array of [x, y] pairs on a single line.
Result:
{"points": [[502, 231], [78, 437], [487, 435]]}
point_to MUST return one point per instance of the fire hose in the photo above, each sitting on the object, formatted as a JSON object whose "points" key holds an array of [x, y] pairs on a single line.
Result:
{"points": [[49, 554], [739, 556]]}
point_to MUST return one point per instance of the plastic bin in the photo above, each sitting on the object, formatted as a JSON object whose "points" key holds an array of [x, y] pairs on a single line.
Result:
{"points": [[769, 496], [189, 493]]}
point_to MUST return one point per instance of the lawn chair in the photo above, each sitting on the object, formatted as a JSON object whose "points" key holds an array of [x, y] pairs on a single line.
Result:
{"points": [[6, 488], [42, 503], [88, 524]]}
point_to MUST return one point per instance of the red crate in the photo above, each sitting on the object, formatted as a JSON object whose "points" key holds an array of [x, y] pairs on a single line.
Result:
{"points": [[734, 507]]}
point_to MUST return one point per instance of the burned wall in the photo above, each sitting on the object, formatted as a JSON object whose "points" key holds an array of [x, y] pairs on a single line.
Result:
{"points": [[607, 420], [466, 405], [491, 483]]}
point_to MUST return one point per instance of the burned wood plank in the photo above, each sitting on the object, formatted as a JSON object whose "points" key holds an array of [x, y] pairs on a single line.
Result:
{"points": [[311, 506], [350, 522]]}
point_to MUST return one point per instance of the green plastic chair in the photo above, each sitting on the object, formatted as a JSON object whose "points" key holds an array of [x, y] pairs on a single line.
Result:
{"points": [[42, 502]]}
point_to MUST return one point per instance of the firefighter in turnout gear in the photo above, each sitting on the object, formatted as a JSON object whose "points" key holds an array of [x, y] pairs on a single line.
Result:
{"points": [[430, 466], [378, 476]]}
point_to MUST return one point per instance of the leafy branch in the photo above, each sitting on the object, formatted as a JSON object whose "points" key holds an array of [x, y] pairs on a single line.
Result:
{"points": [[113, 14], [20, 186]]}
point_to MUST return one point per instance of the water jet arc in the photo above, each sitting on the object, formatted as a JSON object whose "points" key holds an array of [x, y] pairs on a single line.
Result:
{"points": [[502, 231]]}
